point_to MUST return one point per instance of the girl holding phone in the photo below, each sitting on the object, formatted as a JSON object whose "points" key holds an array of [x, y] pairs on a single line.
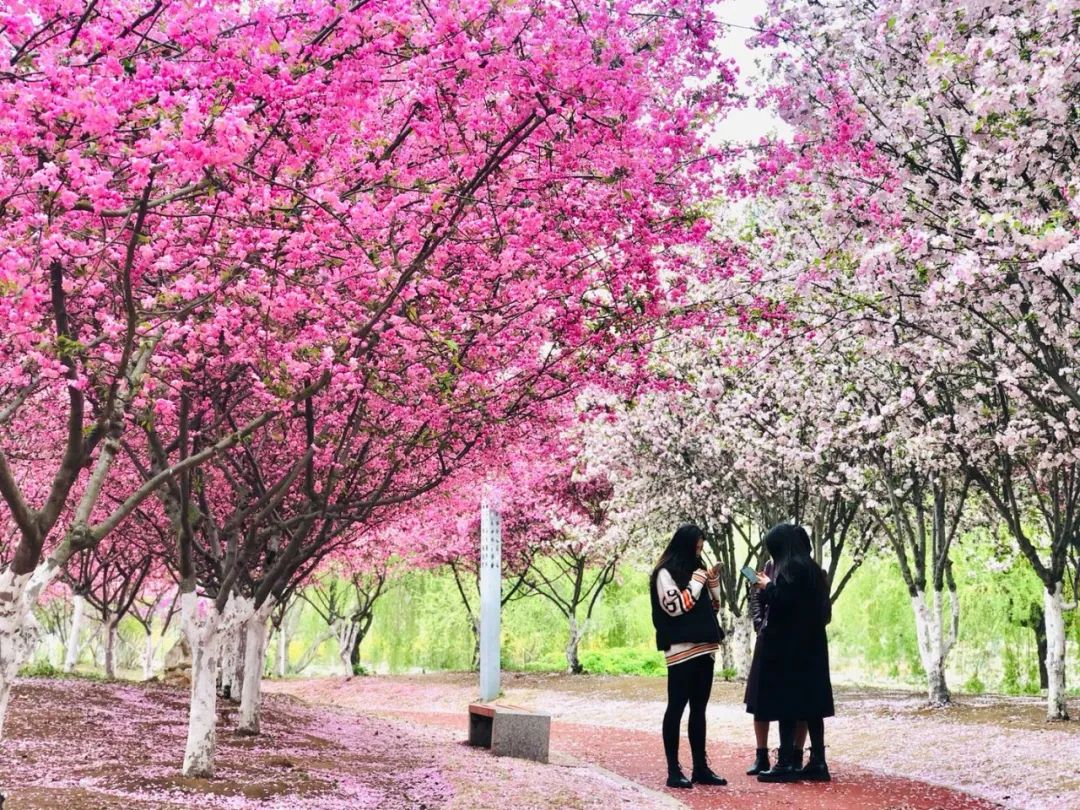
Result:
{"points": [[759, 616], [685, 598], [789, 680]]}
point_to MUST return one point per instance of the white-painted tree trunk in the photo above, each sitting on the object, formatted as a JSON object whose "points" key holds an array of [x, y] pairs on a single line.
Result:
{"points": [[573, 642], [935, 642], [204, 635], [254, 655], [71, 654], [742, 645], [726, 658], [282, 661], [1053, 607], [19, 630], [14, 640], [110, 648], [148, 657], [229, 666], [346, 631]]}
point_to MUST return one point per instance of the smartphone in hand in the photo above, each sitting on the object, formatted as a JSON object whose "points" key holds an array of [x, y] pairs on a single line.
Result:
{"points": [[749, 572]]}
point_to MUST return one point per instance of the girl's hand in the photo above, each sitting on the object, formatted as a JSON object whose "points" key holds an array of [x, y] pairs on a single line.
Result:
{"points": [[762, 580], [714, 572]]}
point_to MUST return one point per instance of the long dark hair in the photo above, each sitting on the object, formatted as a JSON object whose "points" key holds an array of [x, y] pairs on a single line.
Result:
{"points": [[680, 557], [788, 545]]}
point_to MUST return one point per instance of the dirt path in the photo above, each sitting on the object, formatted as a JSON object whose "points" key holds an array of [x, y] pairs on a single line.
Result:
{"points": [[81, 745], [1000, 750]]}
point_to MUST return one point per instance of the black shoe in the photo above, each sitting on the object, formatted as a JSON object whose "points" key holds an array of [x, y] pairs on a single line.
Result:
{"points": [[782, 771], [705, 776], [761, 763], [797, 759], [816, 769], [677, 779]]}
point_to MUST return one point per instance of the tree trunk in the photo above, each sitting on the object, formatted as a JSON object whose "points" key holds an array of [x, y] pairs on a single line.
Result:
{"points": [[742, 645], [15, 633], [205, 635], [71, 654], [312, 652], [1043, 649], [475, 624], [226, 665], [934, 646], [573, 662], [231, 666], [148, 657], [354, 652], [110, 647], [727, 657], [202, 716], [240, 664], [255, 638], [1053, 608], [346, 632], [282, 649]]}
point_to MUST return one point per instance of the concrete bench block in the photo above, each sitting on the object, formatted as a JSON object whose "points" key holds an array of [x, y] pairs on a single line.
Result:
{"points": [[510, 731], [523, 734]]}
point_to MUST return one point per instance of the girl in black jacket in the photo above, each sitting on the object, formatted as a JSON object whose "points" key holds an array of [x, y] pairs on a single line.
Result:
{"points": [[791, 681], [684, 616]]}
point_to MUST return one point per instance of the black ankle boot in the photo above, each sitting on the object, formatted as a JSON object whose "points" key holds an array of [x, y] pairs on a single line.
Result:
{"points": [[797, 759], [761, 762], [703, 775], [783, 770], [676, 778], [816, 769]]}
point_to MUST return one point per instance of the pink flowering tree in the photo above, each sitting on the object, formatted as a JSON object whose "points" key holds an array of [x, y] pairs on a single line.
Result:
{"points": [[382, 229], [581, 550]]}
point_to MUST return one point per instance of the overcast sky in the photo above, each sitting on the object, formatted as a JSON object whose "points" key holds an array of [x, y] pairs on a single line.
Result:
{"points": [[750, 123]]}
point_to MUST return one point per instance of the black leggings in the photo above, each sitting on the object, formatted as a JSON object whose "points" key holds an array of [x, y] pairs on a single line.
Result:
{"points": [[688, 682], [815, 729]]}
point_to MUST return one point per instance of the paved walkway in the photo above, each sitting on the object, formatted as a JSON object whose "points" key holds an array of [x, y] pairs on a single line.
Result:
{"points": [[637, 756]]}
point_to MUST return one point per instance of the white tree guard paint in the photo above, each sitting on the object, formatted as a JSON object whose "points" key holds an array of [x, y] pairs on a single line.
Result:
{"points": [[1053, 607], [282, 662], [110, 648], [71, 653], [229, 666], [149, 652], [573, 642], [204, 634], [934, 644], [742, 645], [254, 654], [345, 631], [14, 640]]}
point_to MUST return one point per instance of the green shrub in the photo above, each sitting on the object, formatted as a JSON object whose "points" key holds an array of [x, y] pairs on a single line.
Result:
{"points": [[729, 673], [39, 669], [974, 685], [623, 661]]}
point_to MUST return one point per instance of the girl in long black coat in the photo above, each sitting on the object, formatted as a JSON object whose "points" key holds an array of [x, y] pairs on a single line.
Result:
{"points": [[789, 678]]}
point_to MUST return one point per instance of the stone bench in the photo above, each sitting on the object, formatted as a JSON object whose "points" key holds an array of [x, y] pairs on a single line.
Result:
{"points": [[510, 731]]}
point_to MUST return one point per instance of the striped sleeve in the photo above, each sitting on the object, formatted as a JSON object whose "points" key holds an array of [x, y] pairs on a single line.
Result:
{"points": [[676, 601], [714, 592]]}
